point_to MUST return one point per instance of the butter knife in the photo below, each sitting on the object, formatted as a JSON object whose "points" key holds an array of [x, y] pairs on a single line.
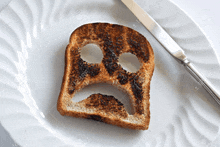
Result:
{"points": [[171, 46]]}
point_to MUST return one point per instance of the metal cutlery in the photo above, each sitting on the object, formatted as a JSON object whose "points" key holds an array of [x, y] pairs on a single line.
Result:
{"points": [[171, 46]]}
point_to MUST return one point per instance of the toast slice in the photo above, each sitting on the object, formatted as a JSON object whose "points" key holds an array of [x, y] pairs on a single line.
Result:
{"points": [[113, 40]]}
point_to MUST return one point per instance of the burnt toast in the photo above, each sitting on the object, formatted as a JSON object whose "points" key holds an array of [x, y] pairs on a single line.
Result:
{"points": [[113, 40]]}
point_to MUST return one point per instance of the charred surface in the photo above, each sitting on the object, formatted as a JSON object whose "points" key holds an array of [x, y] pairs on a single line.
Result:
{"points": [[82, 69], [110, 61], [107, 104], [138, 47], [138, 92], [123, 77], [93, 70], [95, 117]]}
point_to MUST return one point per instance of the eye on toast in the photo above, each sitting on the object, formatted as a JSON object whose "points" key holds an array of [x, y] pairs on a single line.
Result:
{"points": [[113, 40]]}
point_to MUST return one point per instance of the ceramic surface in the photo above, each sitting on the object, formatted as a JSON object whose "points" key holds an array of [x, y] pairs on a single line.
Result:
{"points": [[33, 37]]}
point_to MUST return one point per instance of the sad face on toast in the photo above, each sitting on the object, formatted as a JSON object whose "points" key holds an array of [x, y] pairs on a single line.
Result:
{"points": [[113, 40]]}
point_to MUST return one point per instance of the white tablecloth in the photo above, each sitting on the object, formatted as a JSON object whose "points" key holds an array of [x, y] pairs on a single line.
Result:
{"points": [[204, 12]]}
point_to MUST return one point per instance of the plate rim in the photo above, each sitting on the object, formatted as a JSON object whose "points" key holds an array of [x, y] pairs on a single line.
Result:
{"points": [[7, 128]]}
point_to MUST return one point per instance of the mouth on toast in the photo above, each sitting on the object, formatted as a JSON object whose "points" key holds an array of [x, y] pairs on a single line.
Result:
{"points": [[105, 90]]}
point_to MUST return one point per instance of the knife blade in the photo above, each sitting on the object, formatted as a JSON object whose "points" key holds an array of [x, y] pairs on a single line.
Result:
{"points": [[171, 46]]}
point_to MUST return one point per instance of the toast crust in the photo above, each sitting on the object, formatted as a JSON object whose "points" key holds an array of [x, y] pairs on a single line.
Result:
{"points": [[113, 40]]}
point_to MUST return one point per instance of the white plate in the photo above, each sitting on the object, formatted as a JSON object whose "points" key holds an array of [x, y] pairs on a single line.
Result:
{"points": [[33, 37]]}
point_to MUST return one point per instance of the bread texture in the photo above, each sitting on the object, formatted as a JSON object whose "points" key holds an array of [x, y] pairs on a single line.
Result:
{"points": [[113, 40]]}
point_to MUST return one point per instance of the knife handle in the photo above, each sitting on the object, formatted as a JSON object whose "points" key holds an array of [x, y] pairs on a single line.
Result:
{"points": [[202, 80]]}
